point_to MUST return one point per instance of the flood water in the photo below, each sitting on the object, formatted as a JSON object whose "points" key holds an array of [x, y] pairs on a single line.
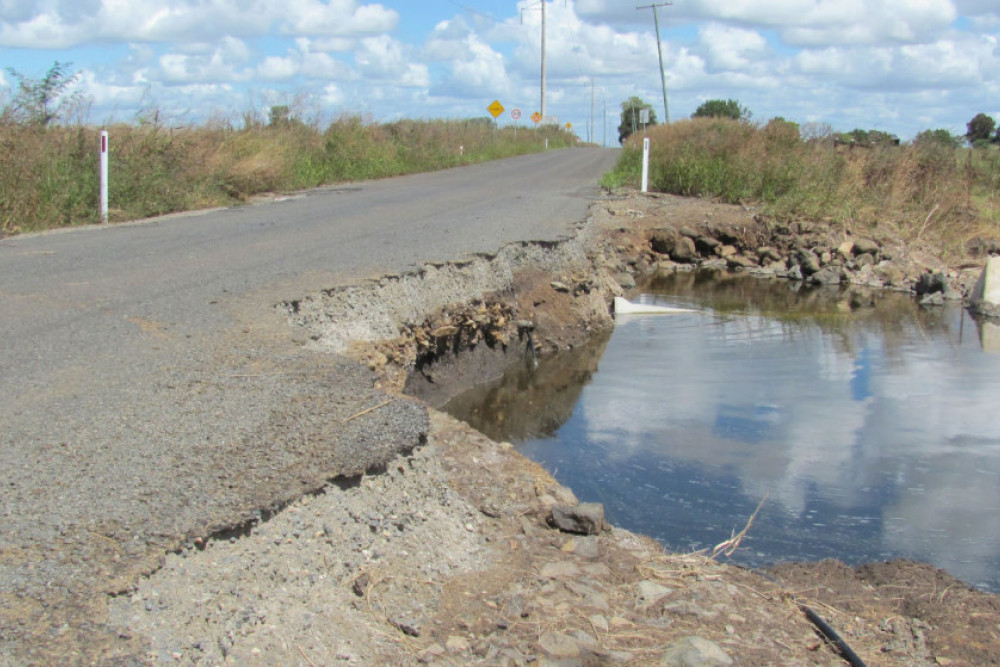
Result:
{"points": [[873, 432]]}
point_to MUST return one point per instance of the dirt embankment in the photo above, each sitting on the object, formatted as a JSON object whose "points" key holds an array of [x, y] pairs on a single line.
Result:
{"points": [[453, 554]]}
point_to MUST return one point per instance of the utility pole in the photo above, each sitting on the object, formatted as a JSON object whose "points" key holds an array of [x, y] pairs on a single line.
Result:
{"points": [[659, 50], [593, 133], [543, 58]]}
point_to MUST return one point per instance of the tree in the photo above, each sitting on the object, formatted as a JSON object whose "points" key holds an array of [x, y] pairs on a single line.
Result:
{"points": [[722, 109], [868, 137], [939, 137], [42, 101], [632, 117], [979, 129]]}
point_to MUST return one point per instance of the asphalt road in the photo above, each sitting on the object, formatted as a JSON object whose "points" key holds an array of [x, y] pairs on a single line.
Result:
{"points": [[152, 393]]}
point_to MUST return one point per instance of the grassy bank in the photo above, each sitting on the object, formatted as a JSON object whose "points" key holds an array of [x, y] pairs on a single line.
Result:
{"points": [[49, 176], [924, 192]]}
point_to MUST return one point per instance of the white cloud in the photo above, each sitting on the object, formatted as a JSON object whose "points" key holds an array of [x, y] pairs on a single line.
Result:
{"points": [[222, 64], [475, 67], [382, 58], [60, 24], [730, 48]]}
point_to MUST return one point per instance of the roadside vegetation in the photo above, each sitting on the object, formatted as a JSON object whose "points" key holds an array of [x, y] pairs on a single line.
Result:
{"points": [[930, 190], [49, 172]]}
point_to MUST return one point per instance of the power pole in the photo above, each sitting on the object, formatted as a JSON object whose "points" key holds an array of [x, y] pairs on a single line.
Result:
{"points": [[659, 50], [593, 133], [543, 58]]}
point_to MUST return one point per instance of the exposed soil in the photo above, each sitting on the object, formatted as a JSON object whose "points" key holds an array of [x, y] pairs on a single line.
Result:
{"points": [[449, 555]]}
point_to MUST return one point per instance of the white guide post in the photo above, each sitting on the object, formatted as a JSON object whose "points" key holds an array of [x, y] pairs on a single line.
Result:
{"points": [[645, 164], [104, 176]]}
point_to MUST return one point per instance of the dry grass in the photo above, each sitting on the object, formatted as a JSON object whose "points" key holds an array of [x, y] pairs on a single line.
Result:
{"points": [[49, 176], [921, 193]]}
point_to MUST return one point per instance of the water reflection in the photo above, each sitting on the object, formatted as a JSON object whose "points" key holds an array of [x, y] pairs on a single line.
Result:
{"points": [[872, 429]]}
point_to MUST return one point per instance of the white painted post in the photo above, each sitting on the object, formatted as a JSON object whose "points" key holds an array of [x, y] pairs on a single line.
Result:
{"points": [[645, 164], [104, 176], [546, 143]]}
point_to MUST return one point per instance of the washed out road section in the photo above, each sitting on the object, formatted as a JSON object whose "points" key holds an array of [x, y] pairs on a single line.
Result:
{"points": [[154, 393]]}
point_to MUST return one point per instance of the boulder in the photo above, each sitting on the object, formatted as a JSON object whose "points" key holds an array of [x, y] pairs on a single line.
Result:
{"points": [[740, 262], [707, 245], [662, 240], [864, 259], [582, 519], [684, 250], [846, 249], [929, 283], [863, 245], [695, 652], [807, 261], [829, 275], [768, 254]]}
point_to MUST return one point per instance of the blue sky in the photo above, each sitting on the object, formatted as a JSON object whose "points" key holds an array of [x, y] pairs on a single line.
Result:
{"points": [[896, 65]]}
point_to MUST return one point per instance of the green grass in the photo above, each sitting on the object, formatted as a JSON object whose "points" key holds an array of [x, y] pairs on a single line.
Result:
{"points": [[49, 176]]}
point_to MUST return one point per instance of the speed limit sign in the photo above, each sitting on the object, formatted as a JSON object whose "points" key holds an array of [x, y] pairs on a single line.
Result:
{"points": [[515, 114]]}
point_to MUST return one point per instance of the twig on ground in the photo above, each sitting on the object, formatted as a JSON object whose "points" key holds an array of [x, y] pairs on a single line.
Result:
{"points": [[729, 547], [364, 412]]}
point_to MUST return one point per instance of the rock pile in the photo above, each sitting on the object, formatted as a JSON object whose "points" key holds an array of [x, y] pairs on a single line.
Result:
{"points": [[796, 251]]}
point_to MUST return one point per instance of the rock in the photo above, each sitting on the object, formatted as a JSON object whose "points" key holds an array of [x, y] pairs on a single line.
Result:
{"points": [[585, 547], [715, 264], [456, 644], [559, 287], [864, 245], [929, 283], [985, 297], [684, 250], [648, 593], [829, 275], [864, 259], [695, 651], [740, 262], [687, 232], [583, 519], [445, 331], [663, 240], [768, 254], [558, 646], [626, 280], [807, 261], [707, 245], [846, 249], [728, 251], [932, 299], [795, 273], [559, 568], [890, 274]]}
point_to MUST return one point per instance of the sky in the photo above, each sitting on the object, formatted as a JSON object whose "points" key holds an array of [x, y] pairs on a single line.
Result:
{"points": [[900, 66]]}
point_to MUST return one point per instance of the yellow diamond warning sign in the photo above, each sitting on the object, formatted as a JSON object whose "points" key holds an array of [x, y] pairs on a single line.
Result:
{"points": [[496, 108]]}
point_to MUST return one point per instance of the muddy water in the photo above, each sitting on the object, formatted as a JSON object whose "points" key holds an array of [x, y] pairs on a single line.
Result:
{"points": [[872, 432]]}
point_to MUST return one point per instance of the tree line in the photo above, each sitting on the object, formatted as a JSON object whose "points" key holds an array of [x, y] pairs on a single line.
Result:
{"points": [[982, 131]]}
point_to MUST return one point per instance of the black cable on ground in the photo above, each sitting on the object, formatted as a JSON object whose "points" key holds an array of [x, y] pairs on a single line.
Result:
{"points": [[849, 655], [845, 650]]}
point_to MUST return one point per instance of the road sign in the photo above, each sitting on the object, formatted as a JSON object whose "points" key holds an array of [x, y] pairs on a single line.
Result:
{"points": [[644, 116], [515, 114], [537, 117], [496, 108], [569, 126]]}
